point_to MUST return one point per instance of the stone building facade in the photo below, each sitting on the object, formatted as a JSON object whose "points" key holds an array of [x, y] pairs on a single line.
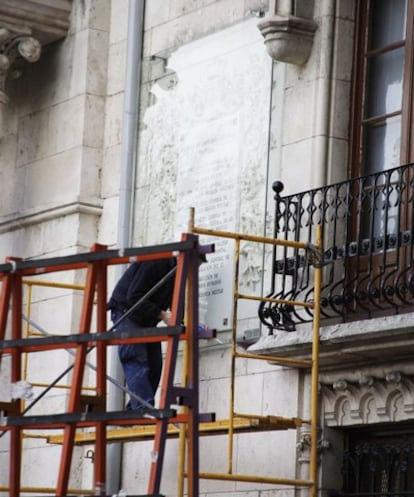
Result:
{"points": [[230, 96]]}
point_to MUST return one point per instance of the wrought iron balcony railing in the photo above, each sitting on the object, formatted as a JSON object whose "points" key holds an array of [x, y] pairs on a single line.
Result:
{"points": [[368, 227]]}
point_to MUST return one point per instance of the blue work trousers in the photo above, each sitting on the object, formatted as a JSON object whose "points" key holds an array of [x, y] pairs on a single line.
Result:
{"points": [[142, 365]]}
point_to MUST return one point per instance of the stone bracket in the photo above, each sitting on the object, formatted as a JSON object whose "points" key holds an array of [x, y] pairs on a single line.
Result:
{"points": [[25, 26], [288, 38], [15, 44]]}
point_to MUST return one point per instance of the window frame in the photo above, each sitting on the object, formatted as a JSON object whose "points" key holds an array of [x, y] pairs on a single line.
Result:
{"points": [[358, 88]]}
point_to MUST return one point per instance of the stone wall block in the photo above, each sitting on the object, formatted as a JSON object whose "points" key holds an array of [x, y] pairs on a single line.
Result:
{"points": [[270, 453], [57, 236], [298, 124], [113, 120], [93, 14], [52, 181], [297, 157], [66, 125], [215, 364], [111, 166], [340, 105], [160, 11], [119, 21], [108, 223], [40, 458], [97, 62], [213, 17], [99, 14], [280, 393], [11, 178], [77, 59], [338, 154], [87, 230], [346, 10], [33, 137], [89, 180], [93, 126], [215, 396], [248, 394], [343, 49], [117, 61]]}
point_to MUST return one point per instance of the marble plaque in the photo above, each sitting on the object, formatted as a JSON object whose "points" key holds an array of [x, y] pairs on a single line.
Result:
{"points": [[211, 118]]}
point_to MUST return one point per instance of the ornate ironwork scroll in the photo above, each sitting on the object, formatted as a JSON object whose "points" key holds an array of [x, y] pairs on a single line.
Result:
{"points": [[368, 249]]}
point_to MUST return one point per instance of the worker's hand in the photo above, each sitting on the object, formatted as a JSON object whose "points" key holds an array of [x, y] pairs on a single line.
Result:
{"points": [[165, 316]]}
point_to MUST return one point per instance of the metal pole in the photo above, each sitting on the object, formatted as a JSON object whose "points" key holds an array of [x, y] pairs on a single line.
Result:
{"points": [[233, 357], [315, 368]]}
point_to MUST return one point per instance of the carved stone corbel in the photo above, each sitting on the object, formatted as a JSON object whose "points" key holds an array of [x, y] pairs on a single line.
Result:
{"points": [[15, 44], [25, 27], [288, 38]]}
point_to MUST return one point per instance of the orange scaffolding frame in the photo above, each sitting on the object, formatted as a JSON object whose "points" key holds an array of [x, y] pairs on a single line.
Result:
{"points": [[184, 309]]}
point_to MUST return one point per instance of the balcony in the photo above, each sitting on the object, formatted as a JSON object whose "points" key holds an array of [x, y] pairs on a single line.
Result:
{"points": [[368, 226]]}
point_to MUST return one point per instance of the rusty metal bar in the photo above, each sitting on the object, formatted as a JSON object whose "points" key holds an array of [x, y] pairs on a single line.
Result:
{"points": [[81, 261], [177, 311], [97, 262], [16, 368], [74, 398], [101, 367]]}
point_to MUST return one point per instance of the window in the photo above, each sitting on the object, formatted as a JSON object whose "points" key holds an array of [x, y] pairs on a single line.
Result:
{"points": [[379, 464], [382, 98]]}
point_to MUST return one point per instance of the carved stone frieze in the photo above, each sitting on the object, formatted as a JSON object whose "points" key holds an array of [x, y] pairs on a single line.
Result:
{"points": [[25, 26], [369, 400]]}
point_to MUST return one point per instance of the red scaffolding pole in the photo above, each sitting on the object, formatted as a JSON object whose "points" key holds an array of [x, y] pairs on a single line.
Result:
{"points": [[184, 309]]}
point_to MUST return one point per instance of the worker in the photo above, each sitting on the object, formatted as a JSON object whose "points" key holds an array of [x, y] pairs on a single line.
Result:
{"points": [[142, 362]]}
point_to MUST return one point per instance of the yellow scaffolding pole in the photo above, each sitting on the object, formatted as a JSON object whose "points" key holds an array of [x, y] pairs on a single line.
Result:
{"points": [[312, 364]]}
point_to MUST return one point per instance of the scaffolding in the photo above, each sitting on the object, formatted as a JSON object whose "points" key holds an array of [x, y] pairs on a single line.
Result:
{"points": [[89, 411], [273, 422], [187, 424]]}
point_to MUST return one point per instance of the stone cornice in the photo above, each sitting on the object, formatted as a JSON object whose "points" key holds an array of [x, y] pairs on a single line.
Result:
{"points": [[25, 26], [30, 219], [388, 339]]}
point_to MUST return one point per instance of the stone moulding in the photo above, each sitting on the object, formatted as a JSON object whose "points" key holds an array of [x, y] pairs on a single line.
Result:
{"points": [[38, 217], [26, 26], [387, 399], [288, 38]]}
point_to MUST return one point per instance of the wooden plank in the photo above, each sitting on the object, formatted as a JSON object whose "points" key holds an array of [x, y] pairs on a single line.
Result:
{"points": [[219, 427]]}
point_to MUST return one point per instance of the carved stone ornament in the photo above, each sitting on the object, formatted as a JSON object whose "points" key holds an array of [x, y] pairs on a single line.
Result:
{"points": [[288, 38], [26, 26], [370, 400], [14, 45]]}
